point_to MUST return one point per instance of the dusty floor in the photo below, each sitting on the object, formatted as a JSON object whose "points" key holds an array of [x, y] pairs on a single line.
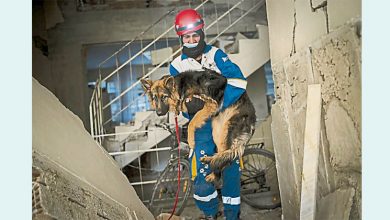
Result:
{"points": [[191, 212]]}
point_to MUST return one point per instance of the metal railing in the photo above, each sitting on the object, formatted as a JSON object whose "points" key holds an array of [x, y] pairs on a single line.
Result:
{"points": [[96, 107], [155, 149]]}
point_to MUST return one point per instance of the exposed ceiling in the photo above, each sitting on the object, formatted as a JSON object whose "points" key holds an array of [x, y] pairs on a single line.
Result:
{"points": [[85, 5]]}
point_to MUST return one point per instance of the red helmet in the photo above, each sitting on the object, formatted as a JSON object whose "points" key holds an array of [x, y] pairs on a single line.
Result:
{"points": [[187, 21]]}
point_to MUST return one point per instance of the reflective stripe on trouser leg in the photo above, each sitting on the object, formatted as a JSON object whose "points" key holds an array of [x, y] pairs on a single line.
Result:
{"points": [[205, 194], [231, 190]]}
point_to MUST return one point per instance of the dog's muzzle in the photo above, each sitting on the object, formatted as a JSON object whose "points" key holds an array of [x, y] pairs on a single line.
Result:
{"points": [[162, 110]]}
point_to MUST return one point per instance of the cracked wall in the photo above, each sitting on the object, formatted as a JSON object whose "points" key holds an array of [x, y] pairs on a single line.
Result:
{"points": [[315, 41], [294, 24]]}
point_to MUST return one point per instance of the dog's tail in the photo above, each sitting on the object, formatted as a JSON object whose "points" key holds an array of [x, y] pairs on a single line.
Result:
{"points": [[224, 158]]}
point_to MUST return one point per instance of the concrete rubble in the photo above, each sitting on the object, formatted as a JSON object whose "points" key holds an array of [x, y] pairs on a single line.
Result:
{"points": [[73, 177]]}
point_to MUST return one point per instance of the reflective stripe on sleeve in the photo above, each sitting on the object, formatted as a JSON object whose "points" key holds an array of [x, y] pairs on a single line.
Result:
{"points": [[231, 201], [240, 83], [206, 198]]}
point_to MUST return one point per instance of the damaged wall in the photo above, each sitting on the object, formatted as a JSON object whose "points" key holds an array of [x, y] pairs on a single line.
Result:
{"points": [[318, 42], [73, 177]]}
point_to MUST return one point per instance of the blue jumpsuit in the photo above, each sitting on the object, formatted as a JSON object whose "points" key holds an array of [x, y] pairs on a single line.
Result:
{"points": [[205, 194]]}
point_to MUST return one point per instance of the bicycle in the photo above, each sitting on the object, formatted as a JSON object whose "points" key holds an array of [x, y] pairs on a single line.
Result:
{"points": [[164, 191], [259, 187]]}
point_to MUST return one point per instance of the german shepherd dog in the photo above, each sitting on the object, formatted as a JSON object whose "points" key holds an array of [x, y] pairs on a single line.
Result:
{"points": [[232, 127]]}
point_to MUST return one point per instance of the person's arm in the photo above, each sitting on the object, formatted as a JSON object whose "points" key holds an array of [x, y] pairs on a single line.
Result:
{"points": [[172, 70], [236, 82]]}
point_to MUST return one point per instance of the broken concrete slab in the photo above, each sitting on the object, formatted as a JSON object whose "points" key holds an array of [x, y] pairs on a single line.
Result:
{"points": [[311, 153], [336, 205], [343, 137], [58, 194], [66, 152], [336, 60], [285, 165]]}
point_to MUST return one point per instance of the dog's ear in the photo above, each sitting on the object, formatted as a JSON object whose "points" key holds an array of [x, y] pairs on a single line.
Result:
{"points": [[146, 84], [169, 82]]}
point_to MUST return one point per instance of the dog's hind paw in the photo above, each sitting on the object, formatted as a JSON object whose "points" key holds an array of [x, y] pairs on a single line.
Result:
{"points": [[217, 163], [205, 159], [211, 177]]}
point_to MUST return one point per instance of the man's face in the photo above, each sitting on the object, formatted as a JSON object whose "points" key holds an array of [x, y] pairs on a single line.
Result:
{"points": [[191, 38]]}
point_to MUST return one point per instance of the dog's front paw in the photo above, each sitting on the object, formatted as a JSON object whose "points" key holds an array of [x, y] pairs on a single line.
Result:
{"points": [[211, 177]]}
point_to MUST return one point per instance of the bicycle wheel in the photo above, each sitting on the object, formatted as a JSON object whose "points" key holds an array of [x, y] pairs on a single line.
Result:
{"points": [[259, 185], [164, 192]]}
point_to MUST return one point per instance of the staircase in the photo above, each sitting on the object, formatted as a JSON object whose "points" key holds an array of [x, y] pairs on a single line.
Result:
{"points": [[252, 54], [146, 135], [152, 138]]}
